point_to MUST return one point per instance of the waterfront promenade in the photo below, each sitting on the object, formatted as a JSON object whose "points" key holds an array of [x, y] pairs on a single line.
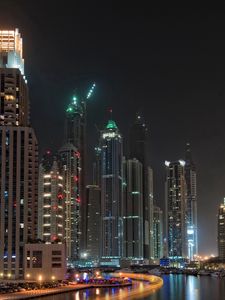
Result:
{"points": [[59, 290], [154, 283]]}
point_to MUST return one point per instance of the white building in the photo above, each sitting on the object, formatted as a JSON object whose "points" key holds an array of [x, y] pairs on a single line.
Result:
{"points": [[44, 262]]}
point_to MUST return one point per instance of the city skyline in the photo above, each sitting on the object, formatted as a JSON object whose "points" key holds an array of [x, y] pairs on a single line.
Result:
{"points": [[164, 112]]}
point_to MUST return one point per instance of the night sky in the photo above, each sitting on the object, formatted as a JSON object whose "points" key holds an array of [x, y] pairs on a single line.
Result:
{"points": [[166, 61]]}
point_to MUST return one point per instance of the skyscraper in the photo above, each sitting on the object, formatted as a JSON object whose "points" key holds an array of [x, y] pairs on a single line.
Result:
{"points": [[175, 209], [50, 200], [18, 161], [138, 148], [138, 141], [150, 199], [111, 190], [75, 134], [191, 186], [70, 170], [93, 222], [132, 210], [221, 231], [97, 167], [157, 233], [14, 91]]}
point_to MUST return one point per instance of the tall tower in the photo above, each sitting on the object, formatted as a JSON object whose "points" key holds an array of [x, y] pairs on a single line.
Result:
{"points": [[191, 185], [50, 200], [93, 222], [175, 209], [70, 170], [138, 148], [157, 233], [132, 210], [14, 108], [221, 231], [97, 167], [19, 159], [111, 190], [75, 134]]}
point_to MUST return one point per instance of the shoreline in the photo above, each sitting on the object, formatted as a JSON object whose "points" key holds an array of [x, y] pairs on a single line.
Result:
{"points": [[155, 283], [54, 291]]}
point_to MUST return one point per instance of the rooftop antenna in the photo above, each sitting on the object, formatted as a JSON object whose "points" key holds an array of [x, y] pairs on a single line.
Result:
{"points": [[110, 113]]}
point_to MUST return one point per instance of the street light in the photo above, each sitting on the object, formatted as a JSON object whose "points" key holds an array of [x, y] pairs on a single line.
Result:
{"points": [[53, 278], [84, 255], [40, 279], [77, 277]]}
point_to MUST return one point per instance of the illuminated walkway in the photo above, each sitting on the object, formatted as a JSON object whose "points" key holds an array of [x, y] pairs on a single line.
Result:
{"points": [[42, 292], [149, 284], [145, 285]]}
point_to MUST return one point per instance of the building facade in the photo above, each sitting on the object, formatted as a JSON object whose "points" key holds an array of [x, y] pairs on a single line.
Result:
{"points": [[45, 262], [157, 233], [70, 171], [51, 206], [75, 134], [97, 167], [133, 210], [191, 187], [138, 148], [111, 191], [175, 210], [93, 222], [149, 225], [221, 231], [18, 159]]}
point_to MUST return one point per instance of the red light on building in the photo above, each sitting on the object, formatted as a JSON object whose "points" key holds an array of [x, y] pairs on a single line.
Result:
{"points": [[77, 154], [75, 178], [60, 196], [78, 199], [54, 237]]}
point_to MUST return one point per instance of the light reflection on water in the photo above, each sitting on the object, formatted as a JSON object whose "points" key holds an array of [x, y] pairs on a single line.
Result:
{"points": [[176, 287]]}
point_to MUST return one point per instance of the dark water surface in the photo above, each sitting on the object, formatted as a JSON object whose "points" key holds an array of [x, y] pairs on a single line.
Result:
{"points": [[176, 287]]}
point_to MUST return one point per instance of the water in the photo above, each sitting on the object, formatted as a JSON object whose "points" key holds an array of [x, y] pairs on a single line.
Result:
{"points": [[176, 287]]}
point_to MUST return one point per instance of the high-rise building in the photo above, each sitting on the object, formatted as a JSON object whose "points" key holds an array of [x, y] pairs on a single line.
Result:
{"points": [[14, 109], [221, 231], [70, 170], [50, 200], [149, 223], [93, 222], [75, 134], [157, 233], [132, 210], [97, 167], [18, 159], [138, 148], [138, 141], [111, 190], [175, 209], [191, 187]]}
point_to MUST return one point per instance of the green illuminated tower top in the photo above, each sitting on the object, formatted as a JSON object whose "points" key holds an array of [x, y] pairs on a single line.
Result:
{"points": [[111, 125]]}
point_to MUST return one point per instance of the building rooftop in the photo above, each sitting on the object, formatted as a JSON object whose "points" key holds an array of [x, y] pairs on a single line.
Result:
{"points": [[111, 125]]}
